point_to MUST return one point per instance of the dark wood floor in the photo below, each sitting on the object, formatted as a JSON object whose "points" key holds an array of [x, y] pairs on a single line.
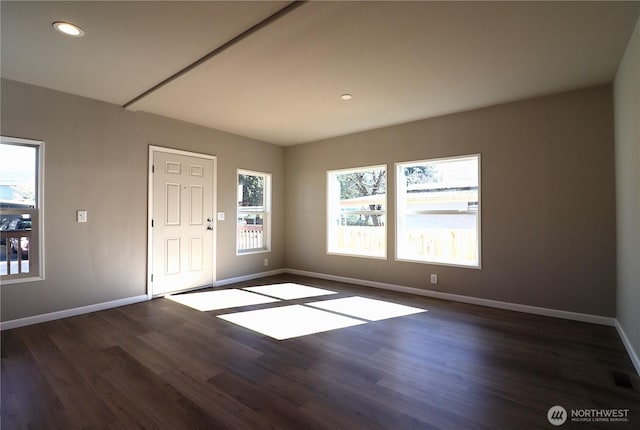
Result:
{"points": [[163, 365]]}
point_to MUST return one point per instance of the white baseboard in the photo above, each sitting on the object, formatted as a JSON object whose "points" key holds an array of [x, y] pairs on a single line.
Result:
{"points": [[556, 313], [36, 319], [575, 316], [244, 278], [627, 344]]}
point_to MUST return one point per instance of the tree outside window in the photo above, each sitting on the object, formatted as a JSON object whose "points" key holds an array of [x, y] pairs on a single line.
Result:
{"points": [[357, 211]]}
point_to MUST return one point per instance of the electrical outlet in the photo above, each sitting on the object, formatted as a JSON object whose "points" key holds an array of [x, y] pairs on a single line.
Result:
{"points": [[434, 279], [81, 216], [266, 262]]}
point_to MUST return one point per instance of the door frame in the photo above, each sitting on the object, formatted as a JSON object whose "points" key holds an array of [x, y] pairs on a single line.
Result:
{"points": [[152, 150]]}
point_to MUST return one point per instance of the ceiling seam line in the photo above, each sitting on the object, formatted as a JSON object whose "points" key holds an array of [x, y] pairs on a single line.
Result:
{"points": [[265, 22]]}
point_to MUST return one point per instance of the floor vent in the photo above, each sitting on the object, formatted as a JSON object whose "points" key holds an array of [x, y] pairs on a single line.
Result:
{"points": [[622, 380]]}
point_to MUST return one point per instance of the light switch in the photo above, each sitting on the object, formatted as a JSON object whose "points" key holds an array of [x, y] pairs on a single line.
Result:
{"points": [[81, 216], [220, 216]]}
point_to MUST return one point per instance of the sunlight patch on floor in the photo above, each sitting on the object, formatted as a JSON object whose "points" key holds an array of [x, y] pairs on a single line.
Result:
{"points": [[369, 309], [289, 291], [220, 299], [286, 322]]}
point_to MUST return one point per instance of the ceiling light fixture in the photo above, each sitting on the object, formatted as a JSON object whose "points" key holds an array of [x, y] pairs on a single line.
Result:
{"points": [[68, 29], [346, 97]]}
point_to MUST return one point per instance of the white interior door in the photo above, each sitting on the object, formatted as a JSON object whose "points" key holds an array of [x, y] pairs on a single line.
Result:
{"points": [[182, 236]]}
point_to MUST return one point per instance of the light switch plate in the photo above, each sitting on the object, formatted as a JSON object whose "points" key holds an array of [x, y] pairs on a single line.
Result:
{"points": [[81, 216], [220, 216]]}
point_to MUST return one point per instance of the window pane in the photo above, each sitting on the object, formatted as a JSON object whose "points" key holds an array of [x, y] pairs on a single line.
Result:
{"points": [[250, 190], [438, 211], [357, 211], [17, 176], [253, 211], [18, 209]]}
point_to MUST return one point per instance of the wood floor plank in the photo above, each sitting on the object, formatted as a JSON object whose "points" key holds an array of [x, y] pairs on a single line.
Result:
{"points": [[274, 409], [194, 361], [76, 394], [164, 365], [335, 415], [30, 401], [229, 412], [390, 409], [158, 400], [148, 356]]}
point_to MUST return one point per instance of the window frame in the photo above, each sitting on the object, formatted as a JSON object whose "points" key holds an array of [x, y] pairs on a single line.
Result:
{"points": [[399, 176], [36, 268], [266, 213], [330, 214]]}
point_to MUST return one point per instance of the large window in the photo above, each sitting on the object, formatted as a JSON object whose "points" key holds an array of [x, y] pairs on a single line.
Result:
{"points": [[438, 210], [254, 201], [21, 256], [357, 208]]}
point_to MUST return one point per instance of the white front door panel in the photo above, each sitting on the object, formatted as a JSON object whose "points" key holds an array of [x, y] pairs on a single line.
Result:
{"points": [[182, 232]]}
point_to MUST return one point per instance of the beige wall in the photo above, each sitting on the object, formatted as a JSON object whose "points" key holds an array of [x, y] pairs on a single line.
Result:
{"points": [[548, 220], [548, 201], [96, 159], [627, 159]]}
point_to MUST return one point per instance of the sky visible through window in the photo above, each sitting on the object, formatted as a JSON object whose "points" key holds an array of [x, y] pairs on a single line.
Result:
{"points": [[18, 203], [18, 173]]}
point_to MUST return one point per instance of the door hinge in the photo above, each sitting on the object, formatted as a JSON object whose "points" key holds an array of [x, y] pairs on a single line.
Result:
{"points": [[151, 223], [152, 277], [153, 168]]}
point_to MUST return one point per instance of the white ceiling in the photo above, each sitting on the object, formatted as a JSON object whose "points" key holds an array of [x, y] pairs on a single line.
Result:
{"points": [[282, 83]]}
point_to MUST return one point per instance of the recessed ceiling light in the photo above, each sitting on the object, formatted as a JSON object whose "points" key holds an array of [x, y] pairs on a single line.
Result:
{"points": [[346, 97], [68, 29]]}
